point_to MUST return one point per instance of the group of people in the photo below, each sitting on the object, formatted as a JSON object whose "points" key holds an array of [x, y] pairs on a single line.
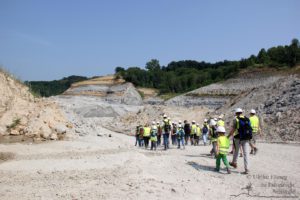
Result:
{"points": [[244, 132]]}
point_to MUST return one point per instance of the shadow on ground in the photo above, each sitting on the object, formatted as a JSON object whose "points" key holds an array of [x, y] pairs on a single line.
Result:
{"points": [[201, 155], [200, 167]]}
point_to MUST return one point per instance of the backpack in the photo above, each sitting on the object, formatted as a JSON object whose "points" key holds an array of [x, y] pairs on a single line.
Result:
{"points": [[204, 129], [187, 128], [167, 126], [245, 129], [174, 130], [180, 133], [214, 133]]}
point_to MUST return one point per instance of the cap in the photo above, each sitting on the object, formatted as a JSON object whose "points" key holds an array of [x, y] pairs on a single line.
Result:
{"points": [[252, 111]]}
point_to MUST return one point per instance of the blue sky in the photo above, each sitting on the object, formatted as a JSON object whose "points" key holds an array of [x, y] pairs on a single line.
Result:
{"points": [[51, 39]]}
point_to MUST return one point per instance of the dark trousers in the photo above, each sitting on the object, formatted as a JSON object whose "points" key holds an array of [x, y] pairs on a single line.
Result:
{"points": [[186, 138], [158, 140], [166, 140], [153, 145], [146, 140]]}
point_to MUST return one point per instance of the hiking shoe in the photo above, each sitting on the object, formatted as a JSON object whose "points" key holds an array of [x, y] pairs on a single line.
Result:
{"points": [[241, 155], [217, 170], [233, 164], [228, 171], [245, 172], [255, 150], [251, 152], [231, 152]]}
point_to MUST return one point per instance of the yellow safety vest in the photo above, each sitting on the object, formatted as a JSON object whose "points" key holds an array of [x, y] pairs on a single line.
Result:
{"points": [[147, 131], [198, 131], [224, 144], [237, 125], [194, 129], [221, 123], [254, 123]]}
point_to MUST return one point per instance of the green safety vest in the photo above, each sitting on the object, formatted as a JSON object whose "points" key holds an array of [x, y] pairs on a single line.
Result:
{"points": [[147, 131], [194, 129], [221, 123], [237, 125], [224, 144], [198, 131], [254, 123]]}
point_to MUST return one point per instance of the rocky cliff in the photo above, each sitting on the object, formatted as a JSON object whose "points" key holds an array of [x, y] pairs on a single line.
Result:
{"points": [[22, 116]]}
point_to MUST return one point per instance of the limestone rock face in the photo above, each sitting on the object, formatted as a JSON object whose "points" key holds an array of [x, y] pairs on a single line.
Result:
{"points": [[23, 114]]}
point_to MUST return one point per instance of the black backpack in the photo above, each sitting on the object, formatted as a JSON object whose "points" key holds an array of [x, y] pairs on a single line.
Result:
{"points": [[245, 129], [167, 126], [214, 133], [204, 129], [187, 128]]}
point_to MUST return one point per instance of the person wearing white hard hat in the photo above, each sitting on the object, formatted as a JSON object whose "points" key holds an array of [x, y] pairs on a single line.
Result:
{"points": [[197, 135], [193, 132], [256, 130], [220, 121], [153, 136], [173, 133], [205, 130], [166, 131], [146, 136], [180, 136], [213, 135], [223, 144], [242, 131]]}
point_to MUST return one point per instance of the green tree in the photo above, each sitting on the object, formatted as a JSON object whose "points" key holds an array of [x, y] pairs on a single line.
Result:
{"points": [[262, 57], [152, 65], [119, 70], [294, 52]]}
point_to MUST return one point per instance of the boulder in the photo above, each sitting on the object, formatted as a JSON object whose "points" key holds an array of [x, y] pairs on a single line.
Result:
{"points": [[60, 129], [45, 132], [53, 136], [14, 132]]}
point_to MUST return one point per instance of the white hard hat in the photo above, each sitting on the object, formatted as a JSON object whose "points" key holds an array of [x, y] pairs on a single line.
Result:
{"points": [[169, 118], [215, 119], [252, 111], [205, 120], [193, 121], [179, 122], [153, 123], [165, 116], [197, 124], [238, 110], [212, 122], [220, 117], [221, 129], [157, 122]]}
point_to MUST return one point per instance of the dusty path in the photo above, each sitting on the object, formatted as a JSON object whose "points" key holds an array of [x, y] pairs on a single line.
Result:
{"points": [[104, 167]]}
